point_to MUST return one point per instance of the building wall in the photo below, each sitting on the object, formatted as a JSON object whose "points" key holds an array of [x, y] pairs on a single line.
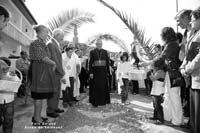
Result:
{"points": [[27, 28], [18, 19], [9, 45]]}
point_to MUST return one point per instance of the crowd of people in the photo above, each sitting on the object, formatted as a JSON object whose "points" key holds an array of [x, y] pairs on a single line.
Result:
{"points": [[173, 77]]}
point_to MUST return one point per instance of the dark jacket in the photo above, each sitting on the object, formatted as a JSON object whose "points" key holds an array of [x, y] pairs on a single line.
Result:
{"points": [[171, 55], [95, 56], [56, 56]]}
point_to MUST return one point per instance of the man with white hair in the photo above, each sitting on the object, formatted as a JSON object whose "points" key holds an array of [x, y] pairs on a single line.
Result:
{"points": [[56, 55]]}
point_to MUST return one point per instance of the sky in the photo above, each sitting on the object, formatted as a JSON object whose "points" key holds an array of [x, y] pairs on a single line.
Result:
{"points": [[152, 15]]}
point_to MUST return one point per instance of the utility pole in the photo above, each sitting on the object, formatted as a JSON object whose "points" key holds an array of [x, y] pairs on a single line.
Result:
{"points": [[177, 12]]}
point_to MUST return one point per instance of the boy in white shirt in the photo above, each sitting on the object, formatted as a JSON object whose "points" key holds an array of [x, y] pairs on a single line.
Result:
{"points": [[6, 97], [158, 89], [71, 74]]}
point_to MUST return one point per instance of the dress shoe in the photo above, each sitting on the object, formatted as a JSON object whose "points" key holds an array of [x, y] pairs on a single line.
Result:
{"points": [[59, 111], [70, 104], [53, 115], [45, 120], [75, 100], [65, 105], [153, 118], [94, 106], [158, 122]]}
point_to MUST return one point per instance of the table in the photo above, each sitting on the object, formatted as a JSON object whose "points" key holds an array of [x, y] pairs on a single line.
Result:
{"points": [[138, 75]]}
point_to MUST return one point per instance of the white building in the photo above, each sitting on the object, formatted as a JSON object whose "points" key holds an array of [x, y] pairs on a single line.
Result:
{"points": [[18, 33]]}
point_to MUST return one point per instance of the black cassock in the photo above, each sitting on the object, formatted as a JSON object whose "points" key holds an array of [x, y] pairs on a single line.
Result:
{"points": [[99, 67]]}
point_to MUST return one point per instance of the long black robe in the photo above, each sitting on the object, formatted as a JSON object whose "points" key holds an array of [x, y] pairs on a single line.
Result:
{"points": [[99, 91]]}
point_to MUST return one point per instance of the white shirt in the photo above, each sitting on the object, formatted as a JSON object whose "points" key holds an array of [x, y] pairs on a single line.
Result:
{"points": [[158, 88], [8, 97], [70, 64], [67, 68], [123, 70]]}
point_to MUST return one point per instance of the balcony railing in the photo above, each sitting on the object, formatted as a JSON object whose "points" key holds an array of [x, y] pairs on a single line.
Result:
{"points": [[12, 31]]}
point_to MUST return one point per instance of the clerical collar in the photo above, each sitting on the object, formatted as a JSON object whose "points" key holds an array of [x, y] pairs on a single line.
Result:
{"points": [[98, 48]]}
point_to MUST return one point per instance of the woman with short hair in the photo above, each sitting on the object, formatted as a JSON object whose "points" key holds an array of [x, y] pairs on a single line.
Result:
{"points": [[41, 73]]}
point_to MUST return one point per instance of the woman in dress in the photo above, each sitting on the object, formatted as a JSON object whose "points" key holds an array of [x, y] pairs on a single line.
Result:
{"points": [[41, 73], [172, 103]]}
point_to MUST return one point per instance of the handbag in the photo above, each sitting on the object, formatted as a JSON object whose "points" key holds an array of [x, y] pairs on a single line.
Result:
{"points": [[176, 79]]}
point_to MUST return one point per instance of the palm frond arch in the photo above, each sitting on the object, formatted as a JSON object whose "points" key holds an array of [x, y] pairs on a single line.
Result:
{"points": [[109, 37], [67, 19], [133, 26]]}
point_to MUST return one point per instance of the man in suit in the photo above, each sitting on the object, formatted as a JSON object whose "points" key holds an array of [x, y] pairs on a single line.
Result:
{"points": [[54, 48], [183, 19], [191, 67]]}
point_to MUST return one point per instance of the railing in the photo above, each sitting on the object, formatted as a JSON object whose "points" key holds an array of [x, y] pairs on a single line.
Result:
{"points": [[12, 31]]}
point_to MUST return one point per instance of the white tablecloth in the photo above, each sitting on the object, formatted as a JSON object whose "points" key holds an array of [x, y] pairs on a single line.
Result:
{"points": [[138, 75]]}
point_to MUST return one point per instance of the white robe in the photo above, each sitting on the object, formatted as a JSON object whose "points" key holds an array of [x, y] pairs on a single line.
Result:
{"points": [[172, 107], [67, 65], [77, 81]]}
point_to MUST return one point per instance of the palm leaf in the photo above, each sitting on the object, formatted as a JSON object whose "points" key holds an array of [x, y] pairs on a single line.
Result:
{"points": [[66, 20], [108, 37], [133, 26]]}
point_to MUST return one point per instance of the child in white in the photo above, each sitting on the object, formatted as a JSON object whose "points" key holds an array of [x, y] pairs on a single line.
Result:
{"points": [[123, 71], [68, 87], [158, 89], [7, 96]]}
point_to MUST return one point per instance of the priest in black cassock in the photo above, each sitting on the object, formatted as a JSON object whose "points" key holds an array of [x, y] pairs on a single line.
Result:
{"points": [[99, 72]]}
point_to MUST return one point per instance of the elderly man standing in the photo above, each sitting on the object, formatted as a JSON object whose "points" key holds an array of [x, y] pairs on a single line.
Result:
{"points": [[56, 55], [99, 71], [183, 19], [191, 67]]}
